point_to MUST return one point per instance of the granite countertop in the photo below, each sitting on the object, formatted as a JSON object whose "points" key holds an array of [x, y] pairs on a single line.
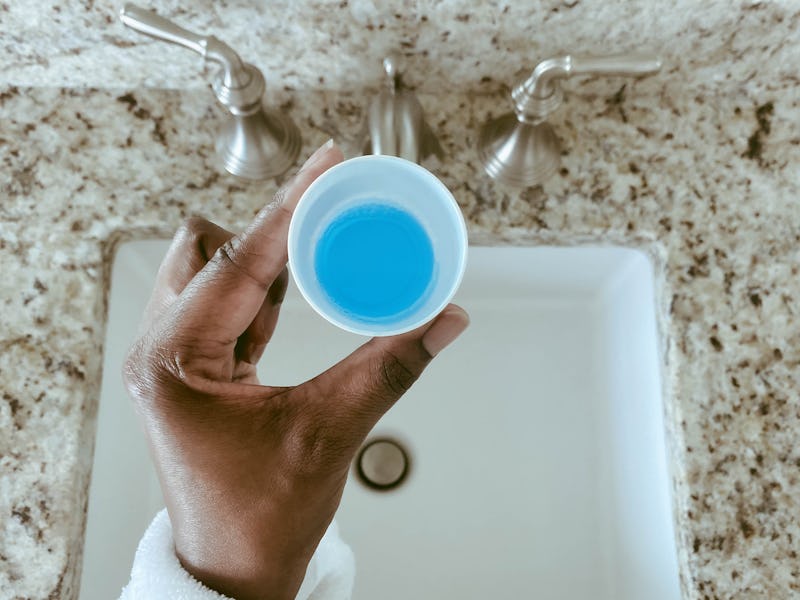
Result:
{"points": [[705, 175], [334, 44]]}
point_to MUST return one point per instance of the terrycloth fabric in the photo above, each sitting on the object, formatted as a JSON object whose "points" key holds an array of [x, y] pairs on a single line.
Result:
{"points": [[157, 573]]}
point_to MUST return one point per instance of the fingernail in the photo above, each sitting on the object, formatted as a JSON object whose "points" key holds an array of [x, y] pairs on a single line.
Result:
{"points": [[318, 153], [447, 327]]}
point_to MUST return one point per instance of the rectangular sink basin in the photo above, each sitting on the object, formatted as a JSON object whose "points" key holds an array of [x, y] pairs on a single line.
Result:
{"points": [[536, 442]]}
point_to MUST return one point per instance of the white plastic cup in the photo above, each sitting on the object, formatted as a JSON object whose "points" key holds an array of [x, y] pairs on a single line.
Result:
{"points": [[390, 181]]}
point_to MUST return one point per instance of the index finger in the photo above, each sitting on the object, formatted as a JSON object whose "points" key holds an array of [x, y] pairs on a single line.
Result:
{"points": [[225, 296]]}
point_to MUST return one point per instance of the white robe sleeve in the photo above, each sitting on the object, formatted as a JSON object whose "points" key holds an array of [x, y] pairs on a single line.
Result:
{"points": [[157, 573]]}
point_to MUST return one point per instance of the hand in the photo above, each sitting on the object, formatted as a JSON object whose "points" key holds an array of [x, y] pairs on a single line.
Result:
{"points": [[252, 475]]}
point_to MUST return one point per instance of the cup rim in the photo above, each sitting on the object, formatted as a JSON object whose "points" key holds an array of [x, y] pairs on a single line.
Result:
{"points": [[445, 195]]}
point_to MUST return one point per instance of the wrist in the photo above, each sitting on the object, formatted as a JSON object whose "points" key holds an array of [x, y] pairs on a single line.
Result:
{"points": [[239, 568], [245, 578]]}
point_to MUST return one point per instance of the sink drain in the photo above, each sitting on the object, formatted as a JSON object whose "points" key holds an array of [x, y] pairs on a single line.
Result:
{"points": [[382, 464]]}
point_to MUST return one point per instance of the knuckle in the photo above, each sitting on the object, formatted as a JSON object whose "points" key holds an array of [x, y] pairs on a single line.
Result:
{"points": [[192, 235], [394, 375], [130, 369], [233, 253], [228, 254], [316, 446], [137, 371], [191, 229], [229, 251], [279, 201], [313, 450], [147, 370]]}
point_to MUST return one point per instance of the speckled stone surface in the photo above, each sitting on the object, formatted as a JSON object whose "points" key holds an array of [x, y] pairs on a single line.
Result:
{"points": [[709, 44], [699, 166]]}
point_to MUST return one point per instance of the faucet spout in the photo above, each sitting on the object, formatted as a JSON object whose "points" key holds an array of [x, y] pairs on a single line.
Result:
{"points": [[395, 122]]}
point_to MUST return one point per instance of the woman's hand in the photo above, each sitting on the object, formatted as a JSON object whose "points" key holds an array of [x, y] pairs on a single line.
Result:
{"points": [[252, 475]]}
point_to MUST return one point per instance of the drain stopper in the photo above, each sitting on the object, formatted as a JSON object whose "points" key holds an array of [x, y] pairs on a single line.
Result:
{"points": [[382, 464]]}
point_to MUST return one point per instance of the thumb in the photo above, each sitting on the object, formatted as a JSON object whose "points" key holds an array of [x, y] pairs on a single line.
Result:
{"points": [[361, 388]]}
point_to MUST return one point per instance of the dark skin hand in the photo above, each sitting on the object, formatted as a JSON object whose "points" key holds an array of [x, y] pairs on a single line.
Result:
{"points": [[252, 474]]}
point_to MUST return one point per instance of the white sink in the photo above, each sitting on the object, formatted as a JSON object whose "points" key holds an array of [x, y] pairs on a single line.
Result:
{"points": [[537, 440]]}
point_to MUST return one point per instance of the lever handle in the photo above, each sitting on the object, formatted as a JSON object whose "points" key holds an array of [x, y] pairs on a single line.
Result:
{"points": [[234, 75], [540, 83], [154, 25], [538, 95], [633, 65]]}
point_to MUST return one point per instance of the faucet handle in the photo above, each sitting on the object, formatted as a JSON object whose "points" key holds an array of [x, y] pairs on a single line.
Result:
{"points": [[149, 23], [254, 142], [539, 94], [522, 149], [633, 64], [239, 85]]}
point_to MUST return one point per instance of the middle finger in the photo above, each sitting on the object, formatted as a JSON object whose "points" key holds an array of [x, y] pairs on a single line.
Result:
{"points": [[193, 245]]}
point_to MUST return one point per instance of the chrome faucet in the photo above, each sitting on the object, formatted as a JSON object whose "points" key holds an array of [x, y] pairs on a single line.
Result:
{"points": [[253, 142], [395, 122], [520, 148]]}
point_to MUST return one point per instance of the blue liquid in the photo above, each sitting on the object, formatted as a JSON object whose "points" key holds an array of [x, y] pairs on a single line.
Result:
{"points": [[375, 262]]}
